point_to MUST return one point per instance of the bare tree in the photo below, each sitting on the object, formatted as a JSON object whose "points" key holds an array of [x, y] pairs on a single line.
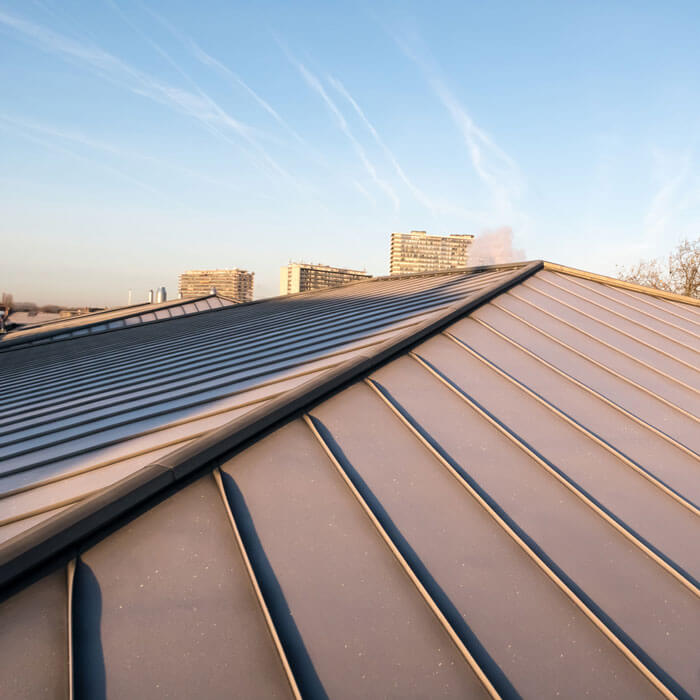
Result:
{"points": [[680, 274]]}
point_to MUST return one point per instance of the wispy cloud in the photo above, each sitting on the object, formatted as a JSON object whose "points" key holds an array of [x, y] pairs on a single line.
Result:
{"points": [[80, 139], [363, 191], [52, 145], [417, 193], [495, 168], [674, 209], [315, 84], [196, 105], [208, 60]]}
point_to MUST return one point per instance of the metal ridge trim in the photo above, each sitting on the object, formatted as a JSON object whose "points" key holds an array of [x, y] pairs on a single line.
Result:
{"points": [[612, 282], [67, 530]]}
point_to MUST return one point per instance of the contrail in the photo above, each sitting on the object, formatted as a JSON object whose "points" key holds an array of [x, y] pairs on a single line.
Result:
{"points": [[197, 106], [417, 193], [315, 84], [82, 140], [495, 168], [52, 146], [208, 60]]}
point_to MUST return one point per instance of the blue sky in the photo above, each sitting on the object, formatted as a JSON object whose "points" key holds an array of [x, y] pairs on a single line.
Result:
{"points": [[140, 139]]}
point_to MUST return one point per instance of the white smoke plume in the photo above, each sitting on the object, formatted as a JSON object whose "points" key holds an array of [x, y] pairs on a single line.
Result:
{"points": [[495, 246]]}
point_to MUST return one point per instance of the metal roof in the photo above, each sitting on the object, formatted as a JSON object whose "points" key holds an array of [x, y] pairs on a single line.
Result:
{"points": [[89, 411], [500, 499], [108, 320]]}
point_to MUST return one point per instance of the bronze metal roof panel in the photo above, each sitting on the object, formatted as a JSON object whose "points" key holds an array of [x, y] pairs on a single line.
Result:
{"points": [[165, 607], [363, 625], [34, 640]]}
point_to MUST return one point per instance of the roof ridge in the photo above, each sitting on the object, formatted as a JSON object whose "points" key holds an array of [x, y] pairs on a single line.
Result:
{"points": [[60, 537]]}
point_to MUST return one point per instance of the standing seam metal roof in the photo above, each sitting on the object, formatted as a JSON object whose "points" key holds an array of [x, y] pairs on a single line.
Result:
{"points": [[499, 500], [89, 411]]}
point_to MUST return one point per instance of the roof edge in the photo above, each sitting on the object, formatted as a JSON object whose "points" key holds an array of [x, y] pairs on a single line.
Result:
{"points": [[622, 284], [61, 536], [18, 339]]}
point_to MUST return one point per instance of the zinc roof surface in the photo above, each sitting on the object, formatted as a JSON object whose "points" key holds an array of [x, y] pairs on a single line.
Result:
{"points": [[107, 320], [498, 500], [88, 411]]}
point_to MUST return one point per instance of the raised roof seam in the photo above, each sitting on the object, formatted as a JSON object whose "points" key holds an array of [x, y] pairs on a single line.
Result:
{"points": [[609, 325], [604, 343], [563, 479], [620, 456], [616, 374], [531, 553], [588, 389], [405, 566], [255, 585]]}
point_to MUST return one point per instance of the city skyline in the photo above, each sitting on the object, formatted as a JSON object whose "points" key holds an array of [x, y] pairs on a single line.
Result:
{"points": [[147, 137]]}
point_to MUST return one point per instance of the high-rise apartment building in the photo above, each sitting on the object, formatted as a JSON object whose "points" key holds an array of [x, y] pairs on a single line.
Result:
{"points": [[234, 284], [419, 252], [303, 277]]}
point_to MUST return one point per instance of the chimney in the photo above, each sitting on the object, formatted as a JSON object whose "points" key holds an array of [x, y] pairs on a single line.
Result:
{"points": [[150, 296], [161, 295]]}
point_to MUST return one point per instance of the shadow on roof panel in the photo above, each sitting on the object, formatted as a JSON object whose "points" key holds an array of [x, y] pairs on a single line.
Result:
{"points": [[365, 630], [649, 609], [168, 603], [598, 470], [661, 457], [492, 590]]}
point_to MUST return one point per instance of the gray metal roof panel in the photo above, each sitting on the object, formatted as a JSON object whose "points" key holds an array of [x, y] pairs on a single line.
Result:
{"points": [[644, 602], [598, 469], [606, 420], [106, 320], [635, 397]]}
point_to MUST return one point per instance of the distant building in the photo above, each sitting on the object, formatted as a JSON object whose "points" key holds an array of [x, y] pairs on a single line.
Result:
{"points": [[234, 284], [419, 252], [300, 277]]}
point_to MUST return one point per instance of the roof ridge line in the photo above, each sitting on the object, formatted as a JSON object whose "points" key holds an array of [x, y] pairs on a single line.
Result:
{"points": [[59, 538], [622, 284]]}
